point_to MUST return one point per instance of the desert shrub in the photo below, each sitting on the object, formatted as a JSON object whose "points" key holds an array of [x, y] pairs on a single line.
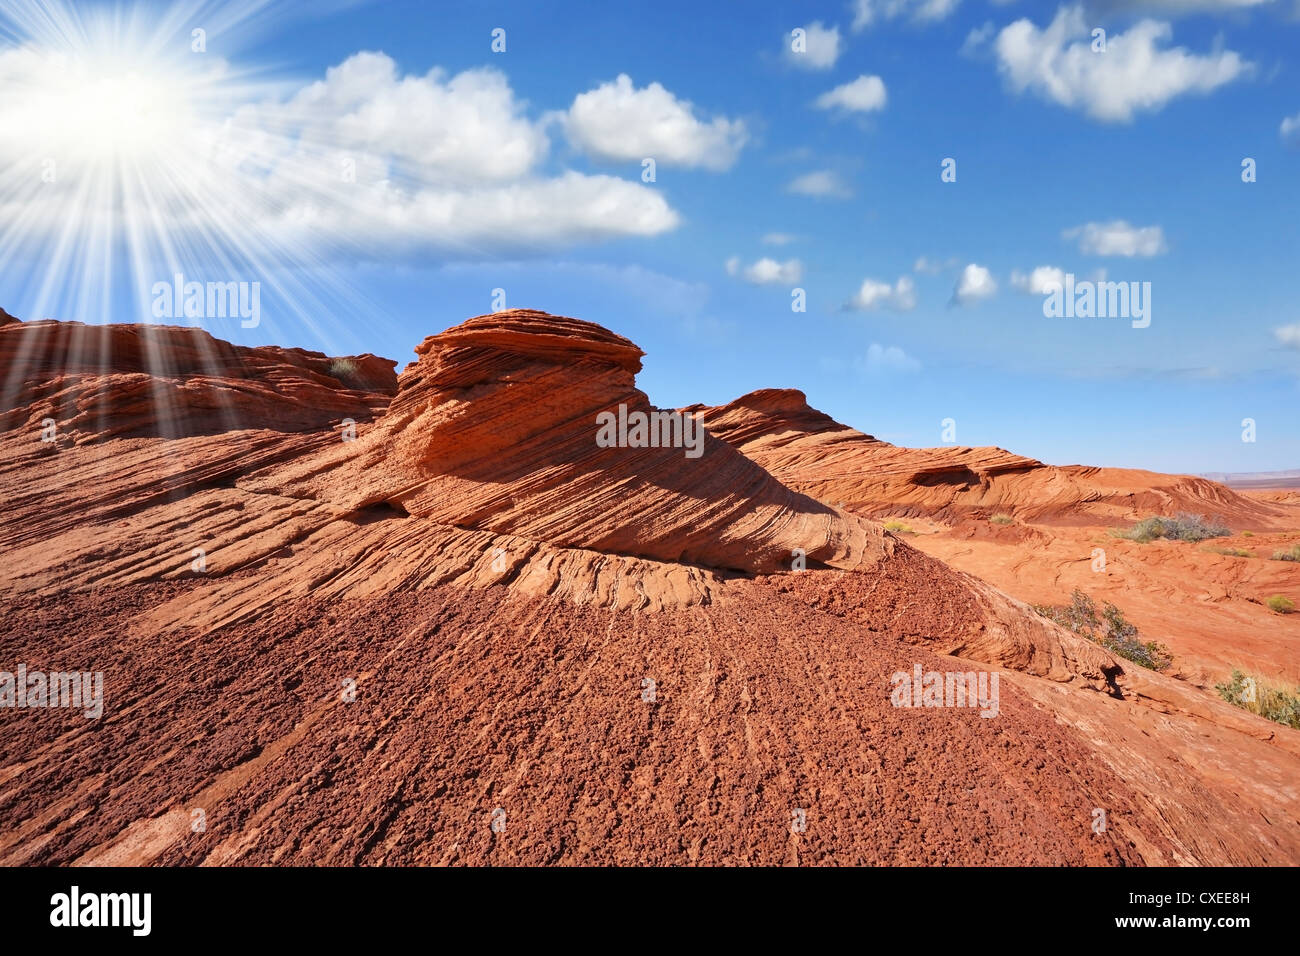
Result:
{"points": [[1280, 605], [1181, 527], [1248, 534], [1001, 519], [1292, 555], [1109, 628], [1263, 698], [342, 368], [1231, 552], [898, 527]]}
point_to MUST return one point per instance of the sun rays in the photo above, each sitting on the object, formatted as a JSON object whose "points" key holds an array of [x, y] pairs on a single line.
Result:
{"points": [[124, 164]]}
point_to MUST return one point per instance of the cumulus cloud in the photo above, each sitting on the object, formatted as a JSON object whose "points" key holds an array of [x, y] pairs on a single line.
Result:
{"points": [[1290, 130], [766, 271], [863, 95], [439, 162], [885, 358], [874, 294], [821, 184], [364, 163], [1135, 74], [617, 121], [822, 47], [1288, 335], [1040, 281], [973, 285], [866, 13], [466, 129], [1117, 238]]}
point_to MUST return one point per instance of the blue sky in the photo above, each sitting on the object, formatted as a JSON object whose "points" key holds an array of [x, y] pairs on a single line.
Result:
{"points": [[1125, 163]]}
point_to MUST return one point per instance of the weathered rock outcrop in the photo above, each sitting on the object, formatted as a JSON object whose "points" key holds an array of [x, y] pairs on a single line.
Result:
{"points": [[496, 428], [811, 452], [106, 380], [482, 572]]}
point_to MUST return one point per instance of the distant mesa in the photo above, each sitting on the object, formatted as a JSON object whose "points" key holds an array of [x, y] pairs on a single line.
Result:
{"points": [[1257, 480]]}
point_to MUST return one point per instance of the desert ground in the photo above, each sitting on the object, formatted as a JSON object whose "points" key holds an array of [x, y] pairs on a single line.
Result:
{"points": [[351, 616]]}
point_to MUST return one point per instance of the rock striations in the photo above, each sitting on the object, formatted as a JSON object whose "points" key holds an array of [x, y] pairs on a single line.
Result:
{"points": [[102, 381], [640, 642], [496, 427], [811, 452]]}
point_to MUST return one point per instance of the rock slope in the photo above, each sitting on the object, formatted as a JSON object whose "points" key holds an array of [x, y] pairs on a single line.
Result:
{"points": [[809, 451], [372, 650]]}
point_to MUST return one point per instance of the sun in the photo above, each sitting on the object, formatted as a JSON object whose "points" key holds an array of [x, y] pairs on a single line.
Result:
{"points": [[123, 164], [100, 108]]}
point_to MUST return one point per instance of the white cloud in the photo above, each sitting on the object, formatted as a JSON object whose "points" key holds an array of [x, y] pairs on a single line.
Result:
{"points": [[1134, 74], [822, 184], [616, 121], [364, 163], [978, 38], [1289, 335], [445, 163], [874, 294], [766, 271], [1040, 281], [779, 239], [974, 284], [868, 12], [863, 95], [466, 129], [885, 358], [1117, 238], [531, 215], [1290, 130], [822, 47], [932, 267], [1179, 7]]}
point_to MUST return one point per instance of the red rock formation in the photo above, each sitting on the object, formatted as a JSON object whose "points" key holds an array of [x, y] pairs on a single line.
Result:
{"points": [[102, 381], [811, 452], [482, 571], [496, 426]]}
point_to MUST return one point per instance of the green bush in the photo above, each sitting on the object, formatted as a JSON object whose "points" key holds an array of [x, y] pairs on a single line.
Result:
{"points": [[1263, 698], [1292, 555], [1280, 605], [1001, 519], [1231, 552], [1181, 527], [1109, 629], [898, 527]]}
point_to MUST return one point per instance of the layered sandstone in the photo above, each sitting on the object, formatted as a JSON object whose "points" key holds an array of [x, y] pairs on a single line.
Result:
{"points": [[102, 381], [495, 427], [614, 646], [811, 452]]}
